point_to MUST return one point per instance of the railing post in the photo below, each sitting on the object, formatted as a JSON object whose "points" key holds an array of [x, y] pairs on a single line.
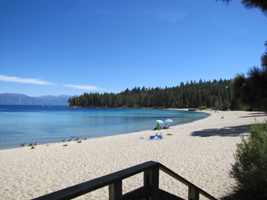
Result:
{"points": [[193, 193], [115, 191], [151, 178]]}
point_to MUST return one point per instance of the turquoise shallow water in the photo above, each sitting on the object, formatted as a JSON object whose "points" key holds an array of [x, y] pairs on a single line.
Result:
{"points": [[44, 124]]}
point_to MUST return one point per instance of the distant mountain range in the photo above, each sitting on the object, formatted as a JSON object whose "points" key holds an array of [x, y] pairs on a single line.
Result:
{"points": [[22, 99]]}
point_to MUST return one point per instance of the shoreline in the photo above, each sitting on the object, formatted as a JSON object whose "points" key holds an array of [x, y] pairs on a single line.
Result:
{"points": [[59, 141], [200, 151]]}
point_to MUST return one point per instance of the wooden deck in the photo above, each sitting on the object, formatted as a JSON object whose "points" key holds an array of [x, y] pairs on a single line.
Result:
{"points": [[149, 191]]}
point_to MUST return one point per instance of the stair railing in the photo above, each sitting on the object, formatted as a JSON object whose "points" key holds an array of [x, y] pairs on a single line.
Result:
{"points": [[149, 191]]}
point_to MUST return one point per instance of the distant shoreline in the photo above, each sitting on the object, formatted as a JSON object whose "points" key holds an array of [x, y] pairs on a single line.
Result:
{"points": [[156, 108]]}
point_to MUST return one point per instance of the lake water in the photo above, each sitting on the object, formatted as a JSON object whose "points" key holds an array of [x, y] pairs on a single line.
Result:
{"points": [[44, 124]]}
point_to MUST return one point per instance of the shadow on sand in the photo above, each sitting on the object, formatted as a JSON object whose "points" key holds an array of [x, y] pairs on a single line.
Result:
{"points": [[229, 197], [223, 132], [255, 115]]}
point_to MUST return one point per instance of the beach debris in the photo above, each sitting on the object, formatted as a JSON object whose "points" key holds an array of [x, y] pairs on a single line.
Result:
{"points": [[169, 134], [70, 140], [65, 145], [79, 141], [23, 145], [63, 140], [222, 117], [141, 138]]}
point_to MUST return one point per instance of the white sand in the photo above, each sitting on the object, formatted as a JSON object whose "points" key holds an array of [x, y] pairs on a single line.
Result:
{"points": [[201, 152]]}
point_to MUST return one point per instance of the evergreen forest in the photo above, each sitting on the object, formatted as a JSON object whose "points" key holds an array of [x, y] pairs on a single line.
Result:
{"points": [[202, 94]]}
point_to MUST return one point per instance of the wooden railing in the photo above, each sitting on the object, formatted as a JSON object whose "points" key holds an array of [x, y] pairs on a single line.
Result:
{"points": [[149, 191]]}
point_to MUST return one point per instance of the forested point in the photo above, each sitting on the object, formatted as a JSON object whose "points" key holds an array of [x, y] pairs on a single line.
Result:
{"points": [[216, 95]]}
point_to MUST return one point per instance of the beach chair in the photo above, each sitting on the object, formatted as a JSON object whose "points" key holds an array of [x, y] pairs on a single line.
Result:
{"points": [[159, 137], [152, 137]]}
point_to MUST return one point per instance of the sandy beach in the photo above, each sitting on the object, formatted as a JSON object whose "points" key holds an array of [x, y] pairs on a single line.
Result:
{"points": [[201, 152]]}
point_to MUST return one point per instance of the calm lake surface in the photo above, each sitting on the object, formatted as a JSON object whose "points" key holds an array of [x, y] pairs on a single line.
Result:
{"points": [[46, 124]]}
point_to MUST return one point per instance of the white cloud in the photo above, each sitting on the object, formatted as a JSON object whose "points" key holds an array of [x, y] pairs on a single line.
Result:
{"points": [[23, 80], [82, 87]]}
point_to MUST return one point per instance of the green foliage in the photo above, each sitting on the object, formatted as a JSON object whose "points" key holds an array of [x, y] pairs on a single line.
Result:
{"points": [[261, 4], [190, 95], [252, 90], [235, 104], [250, 167], [226, 105], [202, 107], [264, 56]]}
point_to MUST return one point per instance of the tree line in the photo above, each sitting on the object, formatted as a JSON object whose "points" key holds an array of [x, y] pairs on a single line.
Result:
{"points": [[202, 94]]}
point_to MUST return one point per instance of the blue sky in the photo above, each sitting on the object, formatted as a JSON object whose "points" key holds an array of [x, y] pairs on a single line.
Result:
{"points": [[71, 47]]}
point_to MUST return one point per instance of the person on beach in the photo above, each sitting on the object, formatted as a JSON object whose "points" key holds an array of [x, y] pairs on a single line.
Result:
{"points": [[157, 127], [166, 127]]}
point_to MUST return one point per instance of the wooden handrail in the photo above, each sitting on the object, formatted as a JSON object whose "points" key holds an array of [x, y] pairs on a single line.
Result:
{"points": [[149, 191], [83, 188], [184, 181]]}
